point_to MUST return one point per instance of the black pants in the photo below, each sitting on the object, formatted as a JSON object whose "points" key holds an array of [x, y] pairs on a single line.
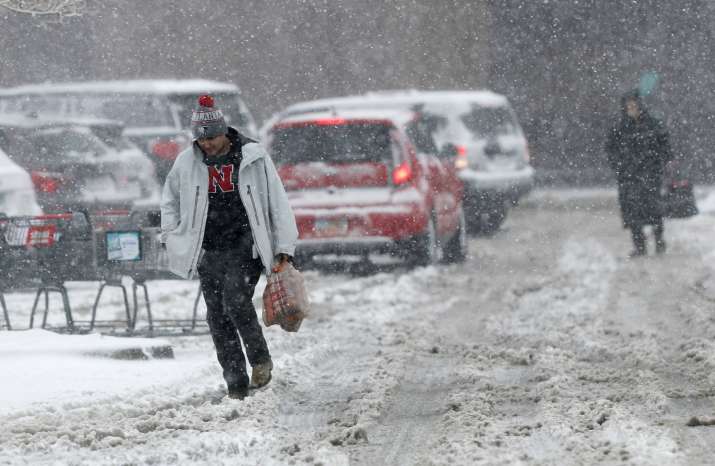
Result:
{"points": [[639, 239], [228, 280]]}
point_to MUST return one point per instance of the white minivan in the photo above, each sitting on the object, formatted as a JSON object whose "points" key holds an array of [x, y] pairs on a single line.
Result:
{"points": [[478, 131], [17, 192]]}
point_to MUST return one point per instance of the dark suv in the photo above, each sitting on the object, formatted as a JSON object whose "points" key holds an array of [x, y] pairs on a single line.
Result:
{"points": [[79, 165]]}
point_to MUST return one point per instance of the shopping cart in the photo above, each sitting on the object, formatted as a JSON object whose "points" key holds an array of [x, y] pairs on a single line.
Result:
{"points": [[45, 251], [137, 253]]}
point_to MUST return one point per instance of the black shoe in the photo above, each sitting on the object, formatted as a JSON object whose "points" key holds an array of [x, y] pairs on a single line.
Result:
{"points": [[237, 393], [636, 253], [660, 247]]}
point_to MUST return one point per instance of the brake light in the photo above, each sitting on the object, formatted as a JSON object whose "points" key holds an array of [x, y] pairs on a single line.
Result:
{"points": [[46, 182], [461, 162], [402, 174], [165, 149], [330, 121]]}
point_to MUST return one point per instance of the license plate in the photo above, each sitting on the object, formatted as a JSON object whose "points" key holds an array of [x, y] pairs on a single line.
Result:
{"points": [[503, 163], [100, 184], [331, 226]]}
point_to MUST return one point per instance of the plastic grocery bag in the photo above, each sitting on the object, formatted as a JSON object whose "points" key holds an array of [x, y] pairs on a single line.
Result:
{"points": [[285, 301]]}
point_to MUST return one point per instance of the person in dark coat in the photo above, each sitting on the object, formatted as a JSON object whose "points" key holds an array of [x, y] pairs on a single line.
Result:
{"points": [[638, 150]]}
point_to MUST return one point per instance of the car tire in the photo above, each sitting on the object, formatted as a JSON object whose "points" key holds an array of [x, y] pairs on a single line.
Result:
{"points": [[487, 223], [455, 250], [491, 223], [424, 248]]}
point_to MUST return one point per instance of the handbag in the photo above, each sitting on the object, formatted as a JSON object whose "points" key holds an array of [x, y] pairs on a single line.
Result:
{"points": [[679, 200], [285, 300]]}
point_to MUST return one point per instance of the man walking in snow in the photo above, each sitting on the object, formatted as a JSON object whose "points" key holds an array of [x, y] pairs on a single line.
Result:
{"points": [[638, 150], [225, 216]]}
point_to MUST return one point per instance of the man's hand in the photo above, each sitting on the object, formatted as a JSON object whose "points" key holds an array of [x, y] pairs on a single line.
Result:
{"points": [[280, 261]]}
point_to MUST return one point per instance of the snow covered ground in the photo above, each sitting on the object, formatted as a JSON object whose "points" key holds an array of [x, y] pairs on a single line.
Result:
{"points": [[547, 346]]}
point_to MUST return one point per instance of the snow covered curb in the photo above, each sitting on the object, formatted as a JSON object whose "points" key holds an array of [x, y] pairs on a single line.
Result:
{"points": [[36, 342]]}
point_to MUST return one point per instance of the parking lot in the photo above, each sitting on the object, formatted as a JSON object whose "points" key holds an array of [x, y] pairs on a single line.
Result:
{"points": [[547, 345]]}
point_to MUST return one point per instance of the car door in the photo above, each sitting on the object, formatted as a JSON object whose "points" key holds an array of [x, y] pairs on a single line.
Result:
{"points": [[445, 199]]}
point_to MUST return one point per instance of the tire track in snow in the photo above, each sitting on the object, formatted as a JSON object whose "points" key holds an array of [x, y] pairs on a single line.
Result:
{"points": [[529, 403]]}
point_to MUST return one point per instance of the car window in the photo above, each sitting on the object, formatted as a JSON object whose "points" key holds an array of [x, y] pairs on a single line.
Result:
{"points": [[488, 121], [422, 129], [345, 143], [32, 104], [131, 109], [33, 148], [67, 142]]}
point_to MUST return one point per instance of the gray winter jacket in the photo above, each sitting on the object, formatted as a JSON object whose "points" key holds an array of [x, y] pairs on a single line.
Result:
{"points": [[185, 202]]}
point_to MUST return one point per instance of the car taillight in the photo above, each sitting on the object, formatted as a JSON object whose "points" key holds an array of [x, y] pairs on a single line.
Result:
{"points": [[461, 162], [165, 149], [46, 182], [330, 121], [402, 174]]}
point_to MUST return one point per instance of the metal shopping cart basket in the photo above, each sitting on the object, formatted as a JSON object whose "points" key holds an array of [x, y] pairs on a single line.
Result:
{"points": [[137, 253], [45, 251]]}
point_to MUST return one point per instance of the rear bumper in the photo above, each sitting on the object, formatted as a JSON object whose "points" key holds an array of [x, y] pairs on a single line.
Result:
{"points": [[347, 246], [365, 229], [510, 184]]}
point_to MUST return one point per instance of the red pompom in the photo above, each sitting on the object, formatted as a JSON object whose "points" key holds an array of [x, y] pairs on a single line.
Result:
{"points": [[206, 101]]}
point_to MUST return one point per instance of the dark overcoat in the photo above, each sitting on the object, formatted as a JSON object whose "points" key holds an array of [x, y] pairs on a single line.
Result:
{"points": [[637, 152]]}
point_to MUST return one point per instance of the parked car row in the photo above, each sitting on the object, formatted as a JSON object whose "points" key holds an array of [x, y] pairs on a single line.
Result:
{"points": [[406, 173], [155, 113], [478, 130]]}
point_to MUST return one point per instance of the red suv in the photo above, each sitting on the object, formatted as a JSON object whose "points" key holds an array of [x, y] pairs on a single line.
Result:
{"points": [[357, 184]]}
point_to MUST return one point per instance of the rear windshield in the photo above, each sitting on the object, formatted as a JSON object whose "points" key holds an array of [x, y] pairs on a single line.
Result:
{"points": [[485, 121], [49, 145], [133, 110], [350, 143], [31, 104]]}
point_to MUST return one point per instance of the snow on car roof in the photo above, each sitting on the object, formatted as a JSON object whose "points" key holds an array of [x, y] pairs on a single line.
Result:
{"points": [[135, 86], [396, 117], [387, 98]]}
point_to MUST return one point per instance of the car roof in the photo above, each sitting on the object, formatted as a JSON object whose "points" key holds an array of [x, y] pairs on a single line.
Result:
{"points": [[396, 118], [405, 98], [134, 86]]}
